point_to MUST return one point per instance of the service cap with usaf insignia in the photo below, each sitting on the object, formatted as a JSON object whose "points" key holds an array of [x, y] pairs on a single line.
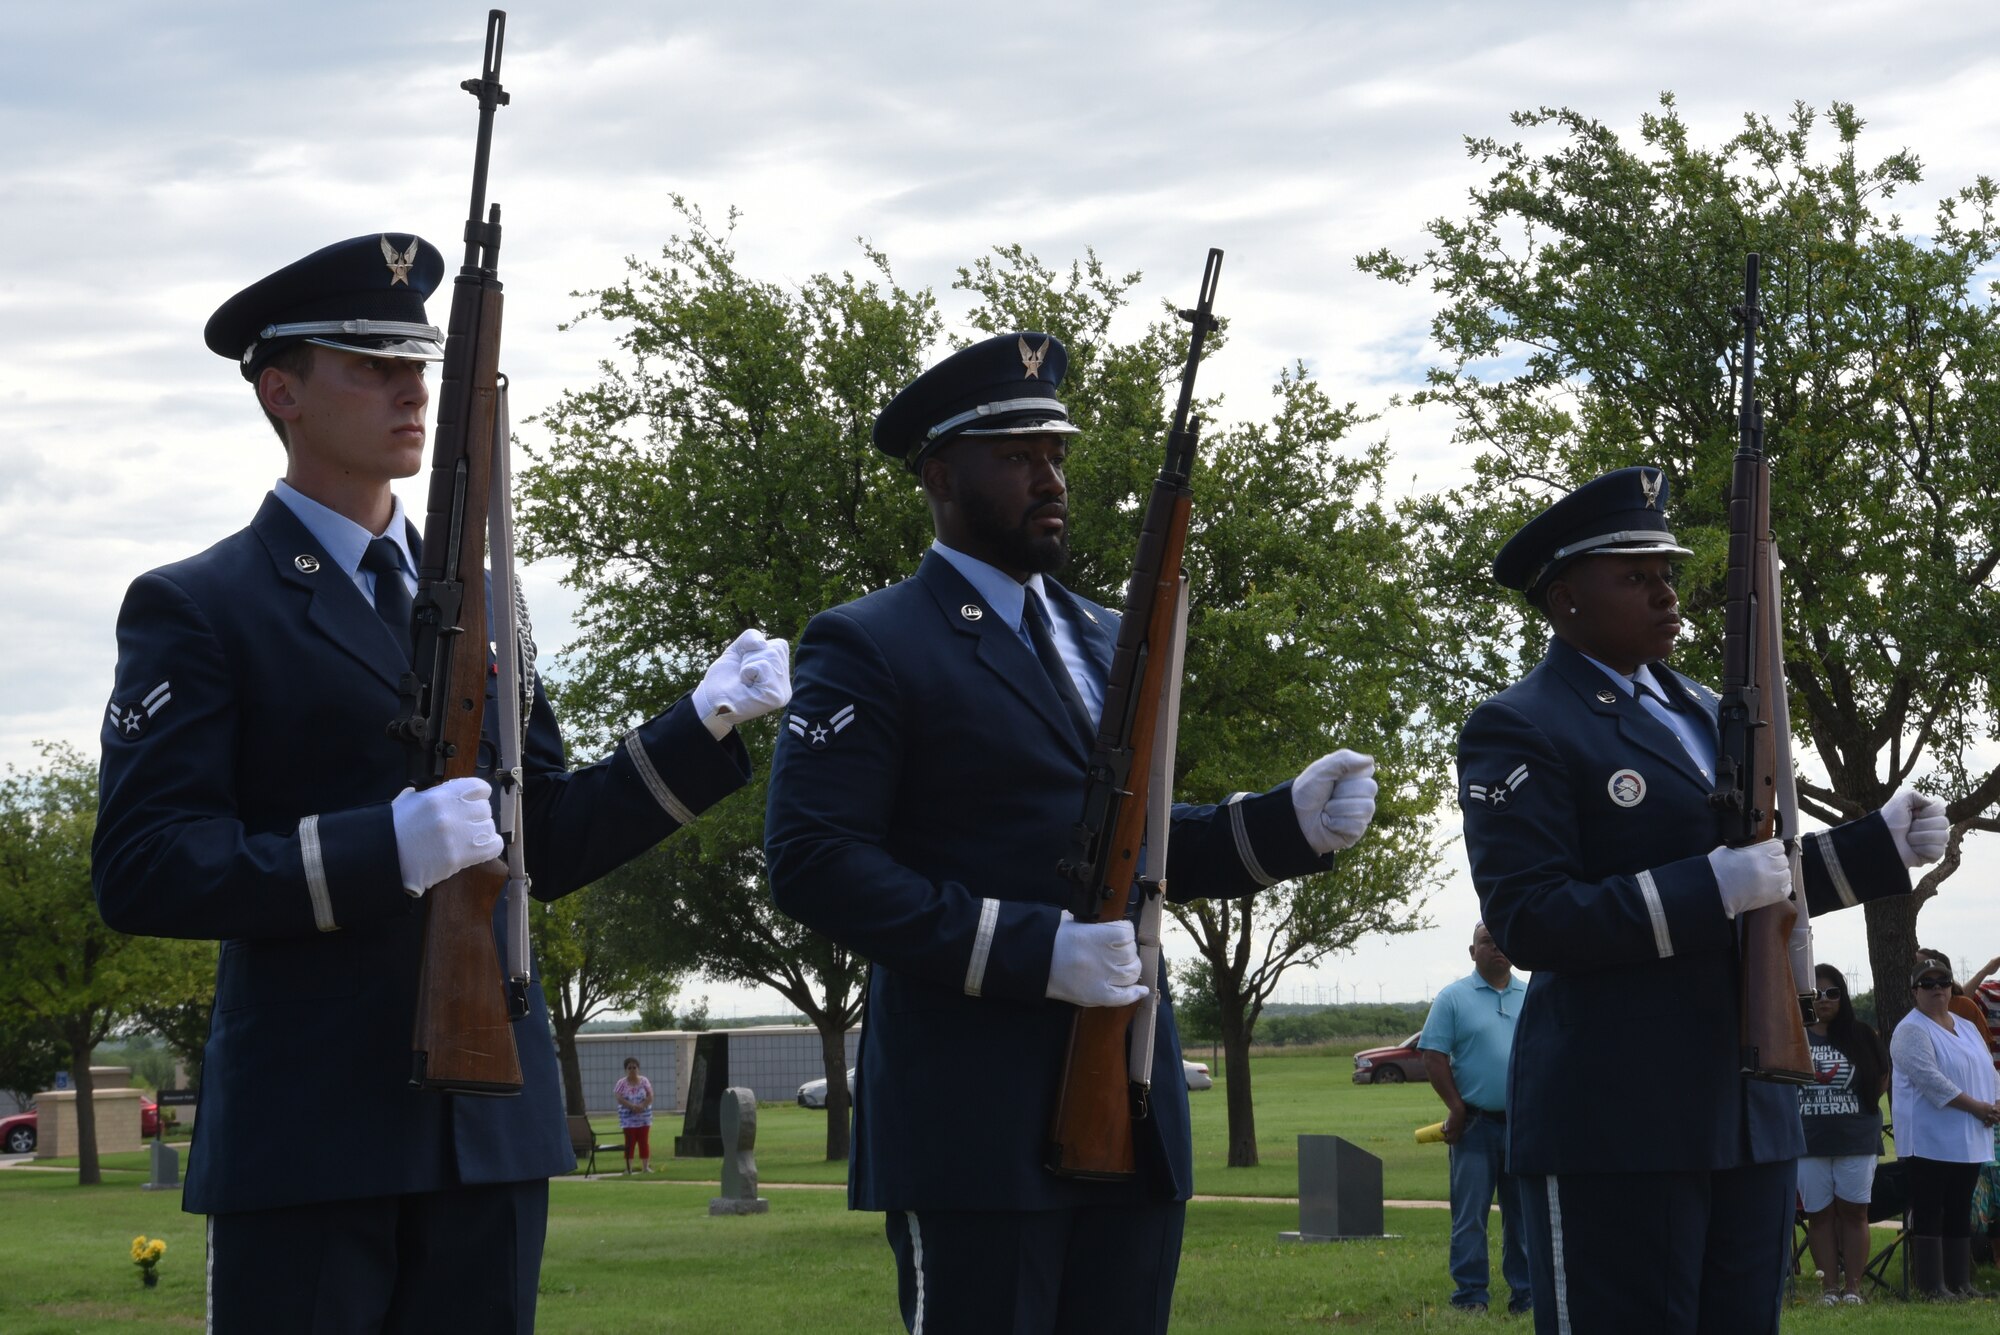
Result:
{"points": [[361, 295], [1623, 513], [1003, 386]]}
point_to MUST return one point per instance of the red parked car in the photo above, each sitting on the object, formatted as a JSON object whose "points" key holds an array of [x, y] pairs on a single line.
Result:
{"points": [[1390, 1066], [17, 1133]]}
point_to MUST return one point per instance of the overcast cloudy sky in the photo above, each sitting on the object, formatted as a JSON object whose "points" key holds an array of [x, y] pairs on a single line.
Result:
{"points": [[154, 159]]}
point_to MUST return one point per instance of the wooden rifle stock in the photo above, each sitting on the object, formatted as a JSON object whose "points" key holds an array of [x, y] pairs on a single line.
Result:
{"points": [[1751, 792], [1774, 1044], [1091, 1134], [1091, 1127], [464, 1037], [461, 1040]]}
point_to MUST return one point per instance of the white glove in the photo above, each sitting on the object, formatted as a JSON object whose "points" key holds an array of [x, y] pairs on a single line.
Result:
{"points": [[1918, 824], [752, 678], [1752, 876], [1095, 963], [443, 830], [1335, 800]]}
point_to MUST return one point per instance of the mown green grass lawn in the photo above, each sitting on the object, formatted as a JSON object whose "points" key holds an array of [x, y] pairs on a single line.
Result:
{"points": [[642, 1254]]}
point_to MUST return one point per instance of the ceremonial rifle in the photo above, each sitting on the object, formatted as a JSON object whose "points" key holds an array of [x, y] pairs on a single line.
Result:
{"points": [[462, 1041], [1755, 789], [1120, 844]]}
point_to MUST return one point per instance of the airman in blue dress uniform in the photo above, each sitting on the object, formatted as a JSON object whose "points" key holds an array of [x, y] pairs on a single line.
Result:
{"points": [[250, 795], [922, 793], [1658, 1181]]}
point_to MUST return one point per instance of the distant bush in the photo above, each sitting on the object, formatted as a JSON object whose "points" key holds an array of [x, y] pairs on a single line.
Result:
{"points": [[1293, 1027]]}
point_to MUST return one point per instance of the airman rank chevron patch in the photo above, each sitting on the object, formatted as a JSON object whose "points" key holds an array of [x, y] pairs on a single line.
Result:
{"points": [[1500, 794]]}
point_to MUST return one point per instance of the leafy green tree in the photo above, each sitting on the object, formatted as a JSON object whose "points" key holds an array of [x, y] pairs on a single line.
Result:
{"points": [[588, 967], [1195, 1007], [719, 477], [64, 975], [30, 1056], [655, 1010], [1584, 320], [177, 1008]]}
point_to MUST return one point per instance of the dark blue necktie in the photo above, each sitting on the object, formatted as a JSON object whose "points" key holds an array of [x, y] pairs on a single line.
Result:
{"points": [[1043, 635], [392, 596]]}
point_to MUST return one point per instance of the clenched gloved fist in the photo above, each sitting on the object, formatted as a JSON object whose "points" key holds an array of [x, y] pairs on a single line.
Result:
{"points": [[1918, 824], [443, 830], [752, 678], [1335, 800], [1752, 876], [1095, 963]]}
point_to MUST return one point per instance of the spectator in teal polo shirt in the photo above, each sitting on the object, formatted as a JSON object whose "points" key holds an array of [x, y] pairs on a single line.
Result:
{"points": [[1466, 1042]]}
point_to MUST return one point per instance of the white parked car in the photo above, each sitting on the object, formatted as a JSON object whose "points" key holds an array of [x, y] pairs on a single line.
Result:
{"points": [[812, 1094]]}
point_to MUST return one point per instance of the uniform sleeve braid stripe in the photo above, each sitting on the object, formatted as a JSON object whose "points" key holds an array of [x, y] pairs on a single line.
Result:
{"points": [[1662, 940], [1556, 1250], [315, 865], [655, 785], [917, 1264], [1834, 871], [1244, 851], [982, 946]]}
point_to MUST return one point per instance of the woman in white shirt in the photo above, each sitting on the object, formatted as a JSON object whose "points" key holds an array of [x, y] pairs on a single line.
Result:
{"points": [[1941, 1093]]}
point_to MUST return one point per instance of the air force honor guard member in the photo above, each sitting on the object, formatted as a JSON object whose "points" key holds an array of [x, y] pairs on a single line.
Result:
{"points": [[921, 795], [251, 795], [1659, 1189]]}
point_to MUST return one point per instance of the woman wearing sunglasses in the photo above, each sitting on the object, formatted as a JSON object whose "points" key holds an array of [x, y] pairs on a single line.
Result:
{"points": [[1843, 1121], [1941, 1094]]}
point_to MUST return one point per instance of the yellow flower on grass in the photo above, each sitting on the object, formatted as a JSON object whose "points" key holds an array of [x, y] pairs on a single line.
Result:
{"points": [[157, 1248]]}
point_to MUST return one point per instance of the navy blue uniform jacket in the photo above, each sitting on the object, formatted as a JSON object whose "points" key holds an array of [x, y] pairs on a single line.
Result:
{"points": [[922, 792], [1588, 828], [250, 804]]}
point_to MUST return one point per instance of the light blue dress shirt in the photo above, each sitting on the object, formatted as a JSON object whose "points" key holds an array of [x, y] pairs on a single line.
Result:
{"points": [[1472, 1023], [1689, 724], [1003, 594], [344, 541]]}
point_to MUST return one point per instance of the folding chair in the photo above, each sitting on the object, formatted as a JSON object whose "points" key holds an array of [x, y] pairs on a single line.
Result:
{"points": [[584, 1143], [1891, 1200]]}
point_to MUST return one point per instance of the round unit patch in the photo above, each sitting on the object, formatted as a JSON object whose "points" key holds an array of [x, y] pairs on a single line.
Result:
{"points": [[1627, 787]]}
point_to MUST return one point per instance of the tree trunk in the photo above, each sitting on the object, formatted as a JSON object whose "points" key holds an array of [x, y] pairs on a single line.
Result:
{"points": [[1236, 1083], [1892, 948], [566, 1031], [88, 1173], [833, 1052]]}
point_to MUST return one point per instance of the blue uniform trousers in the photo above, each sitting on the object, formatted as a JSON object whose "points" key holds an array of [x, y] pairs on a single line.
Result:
{"points": [[1094, 1270], [1689, 1253], [467, 1258], [1478, 1171]]}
